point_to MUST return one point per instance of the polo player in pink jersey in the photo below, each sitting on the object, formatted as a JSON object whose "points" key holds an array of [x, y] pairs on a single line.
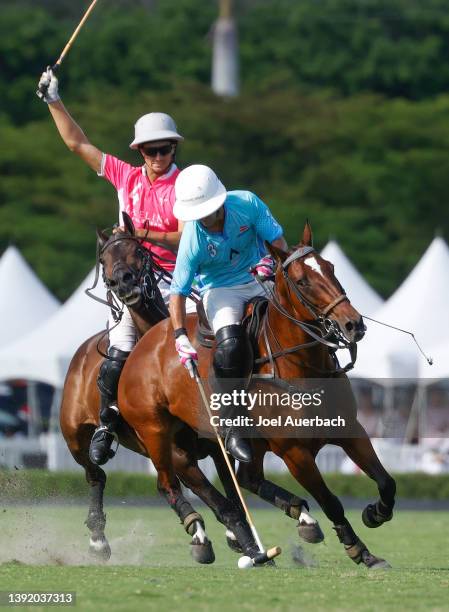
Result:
{"points": [[147, 194]]}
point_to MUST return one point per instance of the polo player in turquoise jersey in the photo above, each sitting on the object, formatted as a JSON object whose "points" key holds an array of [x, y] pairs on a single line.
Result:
{"points": [[222, 246]]}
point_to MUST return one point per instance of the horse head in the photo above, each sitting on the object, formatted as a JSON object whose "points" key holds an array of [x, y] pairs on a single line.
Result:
{"points": [[307, 285], [127, 266]]}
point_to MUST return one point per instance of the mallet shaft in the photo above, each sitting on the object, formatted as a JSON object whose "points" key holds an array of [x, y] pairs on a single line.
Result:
{"points": [[75, 34], [228, 463]]}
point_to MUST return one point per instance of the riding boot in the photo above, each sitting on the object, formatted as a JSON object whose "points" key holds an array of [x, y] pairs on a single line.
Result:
{"points": [[100, 446], [232, 364]]}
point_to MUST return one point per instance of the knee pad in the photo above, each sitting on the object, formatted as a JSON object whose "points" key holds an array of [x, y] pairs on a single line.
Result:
{"points": [[109, 373], [233, 356]]}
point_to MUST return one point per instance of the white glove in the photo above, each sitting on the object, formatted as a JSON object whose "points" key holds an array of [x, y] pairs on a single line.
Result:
{"points": [[187, 354], [47, 89]]}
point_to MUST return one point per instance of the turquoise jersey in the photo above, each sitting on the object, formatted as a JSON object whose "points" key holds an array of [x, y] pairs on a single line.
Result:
{"points": [[223, 259]]}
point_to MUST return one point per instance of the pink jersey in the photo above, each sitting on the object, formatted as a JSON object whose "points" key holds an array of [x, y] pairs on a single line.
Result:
{"points": [[145, 201]]}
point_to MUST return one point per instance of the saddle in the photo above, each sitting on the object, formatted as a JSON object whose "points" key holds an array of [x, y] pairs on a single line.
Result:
{"points": [[252, 319]]}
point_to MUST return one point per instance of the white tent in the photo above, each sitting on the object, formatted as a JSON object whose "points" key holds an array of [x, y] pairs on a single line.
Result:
{"points": [[44, 354], [419, 305], [25, 302], [362, 296]]}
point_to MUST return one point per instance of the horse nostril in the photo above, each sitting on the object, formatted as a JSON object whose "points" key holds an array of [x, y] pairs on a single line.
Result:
{"points": [[349, 326], [112, 283], [127, 277]]}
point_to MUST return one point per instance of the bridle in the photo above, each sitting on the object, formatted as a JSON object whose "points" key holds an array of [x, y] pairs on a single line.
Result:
{"points": [[323, 330], [147, 277]]}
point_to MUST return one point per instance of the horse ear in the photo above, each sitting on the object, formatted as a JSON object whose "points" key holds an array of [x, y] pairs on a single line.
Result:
{"points": [[102, 238], [276, 253], [307, 236], [128, 222]]}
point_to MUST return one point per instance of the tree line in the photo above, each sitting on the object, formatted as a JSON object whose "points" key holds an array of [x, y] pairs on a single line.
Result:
{"points": [[342, 119]]}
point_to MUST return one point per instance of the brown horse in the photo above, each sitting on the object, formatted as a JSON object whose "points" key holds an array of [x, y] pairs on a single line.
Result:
{"points": [[308, 314], [129, 272]]}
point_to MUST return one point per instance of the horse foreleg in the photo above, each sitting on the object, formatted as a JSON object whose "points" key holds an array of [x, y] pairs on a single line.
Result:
{"points": [[96, 478], [251, 476], [158, 443], [361, 451], [303, 468]]}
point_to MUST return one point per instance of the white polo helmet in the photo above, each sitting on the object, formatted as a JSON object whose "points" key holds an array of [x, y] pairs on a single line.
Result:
{"points": [[199, 192], [154, 126]]}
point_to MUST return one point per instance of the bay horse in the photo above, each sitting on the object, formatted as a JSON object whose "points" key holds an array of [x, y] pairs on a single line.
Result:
{"points": [[129, 273], [307, 309]]}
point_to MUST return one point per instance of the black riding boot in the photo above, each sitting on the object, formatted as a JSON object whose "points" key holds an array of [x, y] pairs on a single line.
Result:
{"points": [[100, 446], [233, 360]]}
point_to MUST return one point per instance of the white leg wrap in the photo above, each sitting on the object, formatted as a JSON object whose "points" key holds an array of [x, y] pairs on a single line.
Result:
{"points": [[306, 518], [98, 544]]}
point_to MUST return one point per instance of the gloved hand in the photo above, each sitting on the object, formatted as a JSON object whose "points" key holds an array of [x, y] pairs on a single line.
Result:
{"points": [[264, 268], [47, 89], [187, 354]]}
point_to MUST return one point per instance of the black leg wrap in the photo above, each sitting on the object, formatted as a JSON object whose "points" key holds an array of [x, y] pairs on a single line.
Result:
{"points": [[242, 532], [96, 522], [182, 508], [375, 515], [346, 534], [279, 497]]}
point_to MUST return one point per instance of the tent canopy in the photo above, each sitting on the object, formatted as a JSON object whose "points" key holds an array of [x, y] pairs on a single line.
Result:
{"points": [[362, 296], [44, 353], [25, 302], [418, 305]]}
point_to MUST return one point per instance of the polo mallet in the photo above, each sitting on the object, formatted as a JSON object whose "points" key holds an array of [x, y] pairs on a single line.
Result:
{"points": [[74, 35], [244, 562], [70, 42]]}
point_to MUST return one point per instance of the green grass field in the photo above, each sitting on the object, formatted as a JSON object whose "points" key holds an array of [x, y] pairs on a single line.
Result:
{"points": [[44, 548]]}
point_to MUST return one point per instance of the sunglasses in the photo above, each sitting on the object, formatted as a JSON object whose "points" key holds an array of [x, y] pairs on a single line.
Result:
{"points": [[153, 151]]}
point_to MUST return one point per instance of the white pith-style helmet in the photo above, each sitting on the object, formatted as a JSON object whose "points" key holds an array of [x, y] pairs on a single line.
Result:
{"points": [[154, 126], [199, 193]]}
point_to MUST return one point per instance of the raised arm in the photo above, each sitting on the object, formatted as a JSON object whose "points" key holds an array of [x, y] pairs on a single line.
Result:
{"points": [[70, 131]]}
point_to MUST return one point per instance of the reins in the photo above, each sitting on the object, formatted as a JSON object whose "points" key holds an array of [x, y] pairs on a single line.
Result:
{"points": [[314, 330]]}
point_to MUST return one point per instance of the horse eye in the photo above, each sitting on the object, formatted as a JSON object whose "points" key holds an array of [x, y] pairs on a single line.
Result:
{"points": [[302, 282]]}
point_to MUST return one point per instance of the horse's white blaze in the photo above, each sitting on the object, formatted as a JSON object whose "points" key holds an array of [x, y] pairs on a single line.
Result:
{"points": [[199, 533], [305, 517], [312, 262], [98, 544]]}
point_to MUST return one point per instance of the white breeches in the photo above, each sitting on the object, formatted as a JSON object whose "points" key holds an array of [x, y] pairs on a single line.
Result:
{"points": [[224, 305], [124, 336]]}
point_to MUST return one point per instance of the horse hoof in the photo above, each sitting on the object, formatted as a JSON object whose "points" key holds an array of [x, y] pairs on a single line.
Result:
{"points": [[372, 518], [378, 564], [310, 533], [234, 545], [100, 550], [203, 552], [374, 563]]}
